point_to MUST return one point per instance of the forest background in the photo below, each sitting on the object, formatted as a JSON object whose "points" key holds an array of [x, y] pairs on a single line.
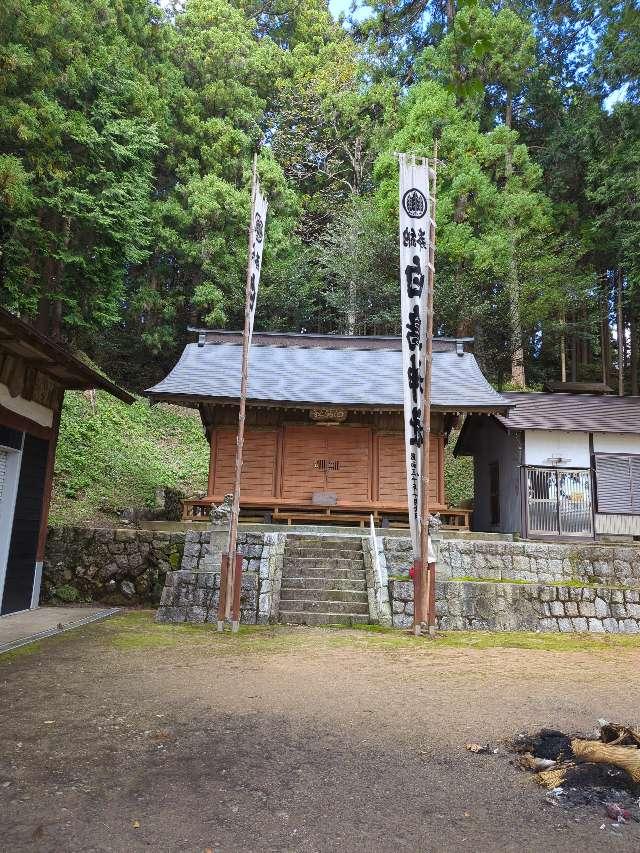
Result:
{"points": [[127, 131]]}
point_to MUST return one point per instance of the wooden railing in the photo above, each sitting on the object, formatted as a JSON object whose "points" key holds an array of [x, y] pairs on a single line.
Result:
{"points": [[269, 510]]}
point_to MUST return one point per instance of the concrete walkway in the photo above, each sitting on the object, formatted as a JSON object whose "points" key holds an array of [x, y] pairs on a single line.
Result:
{"points": [[18, 629]]}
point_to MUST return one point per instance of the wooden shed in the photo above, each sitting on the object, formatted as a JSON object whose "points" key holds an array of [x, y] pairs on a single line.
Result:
{"points": [[560, 466], [34, 373], [324, 431]]}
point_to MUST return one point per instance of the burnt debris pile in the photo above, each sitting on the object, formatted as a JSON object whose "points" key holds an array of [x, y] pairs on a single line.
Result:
{"points": [[587, 770]]}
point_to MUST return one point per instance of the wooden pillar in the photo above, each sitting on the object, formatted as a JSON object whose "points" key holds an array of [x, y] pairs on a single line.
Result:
{"points": [[213, 441]]}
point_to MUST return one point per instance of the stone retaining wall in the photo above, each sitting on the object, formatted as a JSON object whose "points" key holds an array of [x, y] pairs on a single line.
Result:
{"points": [[524, 561], [114, 566], [192, 593], [469, 605]]}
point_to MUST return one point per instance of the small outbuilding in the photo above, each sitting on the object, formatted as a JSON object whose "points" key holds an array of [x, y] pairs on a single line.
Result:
{"points": [[35, 371], [324, 437], [557, 466]]}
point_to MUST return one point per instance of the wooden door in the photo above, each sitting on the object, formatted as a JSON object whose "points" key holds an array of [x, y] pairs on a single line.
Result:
{"points": [[392, 478], [23, 551], [348, 469], [326, 459], [302, 475]]}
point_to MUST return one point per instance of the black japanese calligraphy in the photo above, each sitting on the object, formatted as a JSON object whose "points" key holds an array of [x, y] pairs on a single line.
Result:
{"points": [[413, 329], [415, 378], [252, 291], [411, 239], [415, 423], [414, 278]]}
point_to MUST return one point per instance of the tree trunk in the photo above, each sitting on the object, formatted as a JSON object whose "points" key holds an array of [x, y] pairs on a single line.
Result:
{"points": [[351, 308], [563, 351], [513, 282], [605, 332], [451, 15], [49, 319], [574, 355], [633, 334], [620, 323]]}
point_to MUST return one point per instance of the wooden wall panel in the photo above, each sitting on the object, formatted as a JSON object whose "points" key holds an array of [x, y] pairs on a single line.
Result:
{"points": [[392, 483], [302, 447], [258, 462]]}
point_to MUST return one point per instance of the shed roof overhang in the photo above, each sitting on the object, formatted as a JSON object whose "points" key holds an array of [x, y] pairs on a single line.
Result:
{"points": [[21, 341], [560, 412]]}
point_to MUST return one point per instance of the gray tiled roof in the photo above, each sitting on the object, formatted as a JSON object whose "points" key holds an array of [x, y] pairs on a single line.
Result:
{"points": [[572, 412], [322, 375]]}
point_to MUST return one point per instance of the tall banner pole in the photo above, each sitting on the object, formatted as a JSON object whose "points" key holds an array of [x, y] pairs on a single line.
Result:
{"points": [[416, 260], [427, 559], [256, 243]]}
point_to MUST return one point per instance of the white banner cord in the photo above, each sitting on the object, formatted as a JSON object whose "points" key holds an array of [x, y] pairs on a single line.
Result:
{"points": [[416, 204]]}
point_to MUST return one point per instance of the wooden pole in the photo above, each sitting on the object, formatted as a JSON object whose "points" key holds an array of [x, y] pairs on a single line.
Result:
{"points": [[235, 573], [427, 573]]}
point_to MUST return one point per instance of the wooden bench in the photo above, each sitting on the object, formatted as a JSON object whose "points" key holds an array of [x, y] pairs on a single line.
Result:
{"points": [[455, 518]]}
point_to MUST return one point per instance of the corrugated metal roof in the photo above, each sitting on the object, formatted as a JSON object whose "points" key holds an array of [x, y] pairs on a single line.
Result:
{"points": [[572, 412], [314, 375]]}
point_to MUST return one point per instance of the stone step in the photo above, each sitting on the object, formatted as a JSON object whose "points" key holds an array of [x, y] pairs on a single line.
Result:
{"points": [[310, 605], [321, 563], [292, 617], [322, 572], [330, 553], [344, 543], [319, 582], [312, 593]]}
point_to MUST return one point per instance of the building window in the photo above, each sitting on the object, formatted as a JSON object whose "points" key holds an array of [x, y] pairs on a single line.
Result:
{"points": [[618, 483], [494, 492]]}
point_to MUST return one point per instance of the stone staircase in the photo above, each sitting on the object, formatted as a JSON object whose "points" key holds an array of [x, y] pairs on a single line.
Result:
{"points": [[323, 581]]}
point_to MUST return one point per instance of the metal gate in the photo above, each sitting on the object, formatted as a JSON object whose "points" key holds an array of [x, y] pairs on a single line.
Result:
{"points": [[559, 502]]}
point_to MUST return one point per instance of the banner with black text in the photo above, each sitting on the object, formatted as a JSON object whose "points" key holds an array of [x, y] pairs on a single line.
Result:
{"points": [[415, 211], [259, 218]]}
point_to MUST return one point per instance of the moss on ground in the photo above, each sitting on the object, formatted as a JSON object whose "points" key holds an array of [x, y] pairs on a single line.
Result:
{"points": [[137, 631], [115, 456], [20, 652]]}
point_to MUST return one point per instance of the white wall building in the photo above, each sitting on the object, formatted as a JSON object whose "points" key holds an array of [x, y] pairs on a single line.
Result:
{"points": [[557, 466]]}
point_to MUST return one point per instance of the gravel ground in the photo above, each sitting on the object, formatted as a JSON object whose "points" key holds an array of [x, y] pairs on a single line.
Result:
{"points": [[127, 736]]}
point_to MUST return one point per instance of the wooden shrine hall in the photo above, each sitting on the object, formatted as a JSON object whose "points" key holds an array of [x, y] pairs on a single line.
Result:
{"points": [[324, 439]]}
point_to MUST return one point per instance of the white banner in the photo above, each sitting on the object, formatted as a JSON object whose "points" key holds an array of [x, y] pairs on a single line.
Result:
{"points": [[259, 218], [414, 278]]}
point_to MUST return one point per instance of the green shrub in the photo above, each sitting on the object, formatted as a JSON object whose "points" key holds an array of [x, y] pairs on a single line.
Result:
{"points": [[67, 593]]}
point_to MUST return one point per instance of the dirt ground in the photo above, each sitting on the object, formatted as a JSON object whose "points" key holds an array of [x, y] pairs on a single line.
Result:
{"points": [[126, 736]]}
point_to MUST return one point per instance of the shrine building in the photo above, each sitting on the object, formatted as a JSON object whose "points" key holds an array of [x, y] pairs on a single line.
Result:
{"points": [[324, 434]]}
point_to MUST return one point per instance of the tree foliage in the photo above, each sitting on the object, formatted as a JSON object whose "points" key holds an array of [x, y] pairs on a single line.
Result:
{"points": [[127, 133]]}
